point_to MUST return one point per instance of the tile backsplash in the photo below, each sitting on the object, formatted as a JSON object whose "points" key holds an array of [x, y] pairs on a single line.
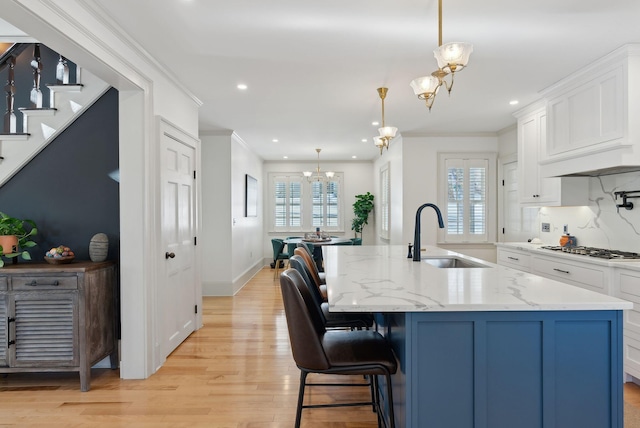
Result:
{"points": [[599, 224]]}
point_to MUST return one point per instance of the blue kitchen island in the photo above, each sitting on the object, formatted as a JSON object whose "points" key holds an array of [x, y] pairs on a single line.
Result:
{"points": [[485, 346]]}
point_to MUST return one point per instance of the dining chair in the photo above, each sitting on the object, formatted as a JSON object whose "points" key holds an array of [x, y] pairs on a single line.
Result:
{"points": [[278, 254], [339, 352], [291, 246], [331, 319], [344, 243]]}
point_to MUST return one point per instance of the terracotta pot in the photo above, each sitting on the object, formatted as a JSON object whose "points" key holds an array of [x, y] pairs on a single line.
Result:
{"points": [[9, 244]]}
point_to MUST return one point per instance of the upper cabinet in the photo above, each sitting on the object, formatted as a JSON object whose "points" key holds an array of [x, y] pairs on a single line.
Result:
{"points": [[533, 188], [592, 125]]}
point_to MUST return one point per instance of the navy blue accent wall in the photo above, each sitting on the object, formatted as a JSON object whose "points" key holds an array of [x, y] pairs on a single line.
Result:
{"points": [[66, 189]]}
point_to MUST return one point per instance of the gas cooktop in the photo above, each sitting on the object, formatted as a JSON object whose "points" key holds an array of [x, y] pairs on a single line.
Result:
{"points": [[601, 253]]}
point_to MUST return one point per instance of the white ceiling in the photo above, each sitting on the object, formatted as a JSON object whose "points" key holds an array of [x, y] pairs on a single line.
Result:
{"points": [[312, 67]]}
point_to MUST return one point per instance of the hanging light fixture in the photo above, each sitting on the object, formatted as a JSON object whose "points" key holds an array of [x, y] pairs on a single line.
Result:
{"points": [[318, 177], [451, 57], [387, 133]]}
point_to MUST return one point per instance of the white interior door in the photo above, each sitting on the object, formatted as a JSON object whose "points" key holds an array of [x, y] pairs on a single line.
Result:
{"points": [[177, 298]]}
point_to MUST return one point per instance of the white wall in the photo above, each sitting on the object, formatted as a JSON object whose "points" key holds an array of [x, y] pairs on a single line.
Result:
{"points": [[231, 243], [420, 184], [357, 181]]}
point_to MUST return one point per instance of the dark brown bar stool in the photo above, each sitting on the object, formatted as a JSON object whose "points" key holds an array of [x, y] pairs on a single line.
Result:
{"points": [[313, 271], [331, 319], [343, 352]]}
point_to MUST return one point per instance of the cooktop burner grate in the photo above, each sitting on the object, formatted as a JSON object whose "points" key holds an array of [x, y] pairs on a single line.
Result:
{"points": [[601, 253]]}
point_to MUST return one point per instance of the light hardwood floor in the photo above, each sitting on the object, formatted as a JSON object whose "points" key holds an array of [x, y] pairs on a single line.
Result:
{"points": [[236, 372]]}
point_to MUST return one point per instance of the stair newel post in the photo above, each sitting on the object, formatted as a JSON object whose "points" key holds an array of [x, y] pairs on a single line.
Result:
{"points": [[62, 71], [36, 65], [10, 89]]}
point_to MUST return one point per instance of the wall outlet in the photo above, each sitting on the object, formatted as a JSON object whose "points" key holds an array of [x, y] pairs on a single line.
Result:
{"points": [[546, 227]]}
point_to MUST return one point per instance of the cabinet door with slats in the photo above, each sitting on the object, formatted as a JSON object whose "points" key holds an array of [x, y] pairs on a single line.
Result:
{"points": [[4, 329], [46, 330]]}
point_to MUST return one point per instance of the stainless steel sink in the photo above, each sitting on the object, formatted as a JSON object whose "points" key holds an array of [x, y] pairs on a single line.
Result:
{"points": [[451, 262]]}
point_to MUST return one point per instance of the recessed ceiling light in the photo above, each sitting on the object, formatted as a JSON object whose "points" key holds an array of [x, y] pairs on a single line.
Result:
{"points": [[275, 140], [354, 157], [364, 140], [375, 123], [242, 86], [513, 102], [285, 157]]}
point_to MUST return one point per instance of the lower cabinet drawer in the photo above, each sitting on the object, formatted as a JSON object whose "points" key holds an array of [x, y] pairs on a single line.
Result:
{"points": [[514, 259], [44, 283], [591, 278], [3, 283]]}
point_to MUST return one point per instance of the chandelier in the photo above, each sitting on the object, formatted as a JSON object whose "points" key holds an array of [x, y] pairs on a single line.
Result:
{"points": [[386, 132], [318, 177], [451, 57]]}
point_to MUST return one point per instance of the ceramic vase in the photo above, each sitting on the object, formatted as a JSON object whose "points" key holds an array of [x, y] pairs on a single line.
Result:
{"points": [[99, 247]]}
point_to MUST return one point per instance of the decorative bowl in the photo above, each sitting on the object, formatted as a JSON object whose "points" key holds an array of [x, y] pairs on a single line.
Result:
{"points": [[59, 260]]}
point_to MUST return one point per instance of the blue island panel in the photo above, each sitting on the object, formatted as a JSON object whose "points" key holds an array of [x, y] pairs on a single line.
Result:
{"points": [[542, 369]]}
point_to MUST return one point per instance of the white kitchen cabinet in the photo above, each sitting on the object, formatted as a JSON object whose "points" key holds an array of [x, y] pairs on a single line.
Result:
{"points": [[626, 285], [581, 274], [533, 188], [513, 258], [592, 118]]}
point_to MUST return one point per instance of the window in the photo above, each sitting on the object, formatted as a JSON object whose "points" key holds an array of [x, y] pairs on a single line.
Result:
{"points": [[467, 196], [297, 205]]}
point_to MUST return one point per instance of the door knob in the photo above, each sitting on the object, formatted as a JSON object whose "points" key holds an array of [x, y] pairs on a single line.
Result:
{"points": [[168, 255]]}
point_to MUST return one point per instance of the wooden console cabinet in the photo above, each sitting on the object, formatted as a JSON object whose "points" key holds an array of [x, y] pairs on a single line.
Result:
{"points": [[58, 317]]}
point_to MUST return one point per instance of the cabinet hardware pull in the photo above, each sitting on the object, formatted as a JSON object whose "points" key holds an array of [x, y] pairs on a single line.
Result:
{"points": [[9, 341], [34, 283], [513, 258], [168, 255], [560, 270]]}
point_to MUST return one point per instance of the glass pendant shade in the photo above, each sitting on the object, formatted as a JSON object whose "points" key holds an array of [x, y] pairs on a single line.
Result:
{"points": [[425, 87], [329, 174], [453, 56], [388, 132], [307, 174], [378, 141]]}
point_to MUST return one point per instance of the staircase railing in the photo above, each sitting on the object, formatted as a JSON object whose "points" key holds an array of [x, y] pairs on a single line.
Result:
{"points": [[8, 61]]}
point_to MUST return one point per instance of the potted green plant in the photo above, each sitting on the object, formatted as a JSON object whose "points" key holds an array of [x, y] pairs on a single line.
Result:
{"points": [[16, 237], [361, 209]]}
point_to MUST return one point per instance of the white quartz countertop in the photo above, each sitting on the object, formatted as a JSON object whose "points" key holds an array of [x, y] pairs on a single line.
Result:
{"points": [[631, 264], [383, 279]]}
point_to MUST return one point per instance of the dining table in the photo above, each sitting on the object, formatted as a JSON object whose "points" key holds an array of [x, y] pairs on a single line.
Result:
{"points": [[318, 243]]}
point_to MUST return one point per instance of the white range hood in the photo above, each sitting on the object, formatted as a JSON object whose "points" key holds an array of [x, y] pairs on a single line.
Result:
{"points": [[593, 118]]}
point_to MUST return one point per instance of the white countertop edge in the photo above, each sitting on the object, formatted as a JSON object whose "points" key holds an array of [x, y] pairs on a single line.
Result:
{"points": [[613, 306]]}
